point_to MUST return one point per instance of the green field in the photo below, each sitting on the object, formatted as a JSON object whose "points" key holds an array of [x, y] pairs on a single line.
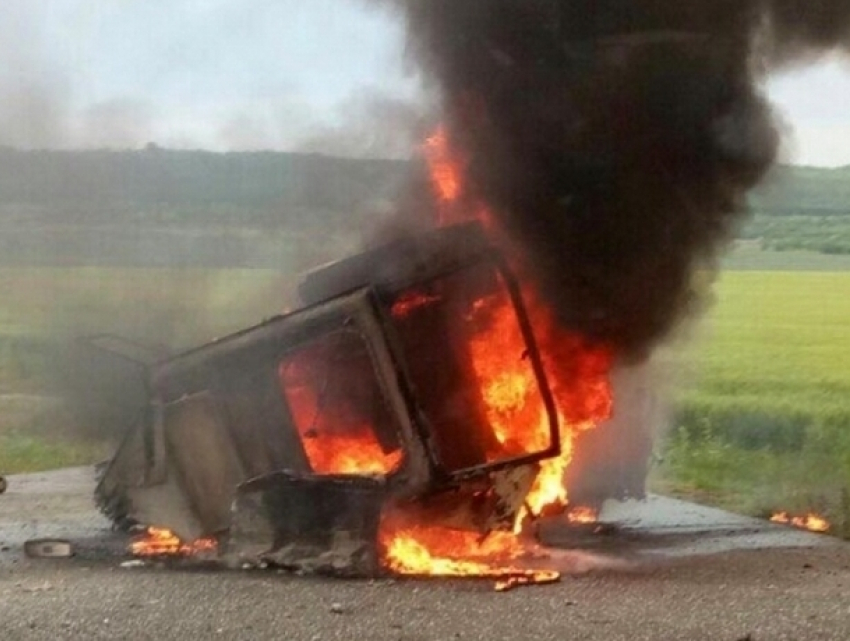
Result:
{"points": [[748, 256], [174, 305], [44, 309], [763, 421]]}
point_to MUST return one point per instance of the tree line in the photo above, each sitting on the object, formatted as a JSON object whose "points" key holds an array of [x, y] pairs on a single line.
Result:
{"points": [[48, 196]]}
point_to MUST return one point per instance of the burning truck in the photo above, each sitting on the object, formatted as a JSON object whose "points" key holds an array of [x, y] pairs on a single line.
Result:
{"points": [[404, 420]]}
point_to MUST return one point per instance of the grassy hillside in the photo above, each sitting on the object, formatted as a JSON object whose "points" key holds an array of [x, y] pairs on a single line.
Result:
{"points": [[809, 191], [163, 208], [160, 186]]}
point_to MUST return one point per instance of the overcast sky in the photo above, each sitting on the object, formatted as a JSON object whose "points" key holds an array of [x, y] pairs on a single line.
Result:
{"points": [[250, 74]]}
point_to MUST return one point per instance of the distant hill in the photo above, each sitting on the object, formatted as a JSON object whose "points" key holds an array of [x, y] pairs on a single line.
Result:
{"points": [[172, 187], [97, 186], [802, 209], [155, 206], [804, 191]]}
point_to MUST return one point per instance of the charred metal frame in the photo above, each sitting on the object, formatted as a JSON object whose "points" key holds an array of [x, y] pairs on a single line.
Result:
{"points": [[446, 252], [225, 397], [535, 360]]}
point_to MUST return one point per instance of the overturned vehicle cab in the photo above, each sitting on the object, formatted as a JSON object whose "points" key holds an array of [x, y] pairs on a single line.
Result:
{"points": [[289, 441]]}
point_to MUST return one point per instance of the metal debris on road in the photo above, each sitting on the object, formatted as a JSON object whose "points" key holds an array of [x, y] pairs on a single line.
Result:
{"points": [[135, 563], [48, 548]]}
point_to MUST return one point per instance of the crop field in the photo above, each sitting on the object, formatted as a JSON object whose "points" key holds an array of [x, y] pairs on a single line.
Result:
{"points": [[763, 420]]}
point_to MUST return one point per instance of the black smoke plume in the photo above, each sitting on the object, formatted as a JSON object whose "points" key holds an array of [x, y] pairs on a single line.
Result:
{"points": [[615, 140]]}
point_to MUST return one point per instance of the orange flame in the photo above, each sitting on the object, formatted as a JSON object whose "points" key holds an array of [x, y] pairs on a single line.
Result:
{"points": [[350, 454], [579, 375], [509, 389], [408, 302], [582, 514], [580, 372], [515, 410], [163, 542], [447, 167], [810, 521], [336, 433], [443, 552], [444, 167]]}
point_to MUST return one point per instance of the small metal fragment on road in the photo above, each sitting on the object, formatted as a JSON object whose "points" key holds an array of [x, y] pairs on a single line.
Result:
{"points": [[337, 608], [135, 563], [48, 548]]}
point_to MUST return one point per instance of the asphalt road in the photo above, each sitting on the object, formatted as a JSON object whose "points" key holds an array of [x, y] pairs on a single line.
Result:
{"points": [[670, 571]]}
